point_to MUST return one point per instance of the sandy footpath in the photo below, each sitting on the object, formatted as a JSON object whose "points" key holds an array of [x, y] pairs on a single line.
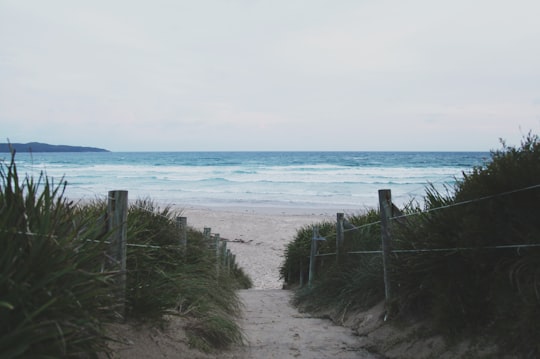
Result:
{"points": [[257, 238], [272, 327], [275, 329]]}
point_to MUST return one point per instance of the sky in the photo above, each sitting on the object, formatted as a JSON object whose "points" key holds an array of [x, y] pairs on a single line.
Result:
{"points": [[300, 75]]}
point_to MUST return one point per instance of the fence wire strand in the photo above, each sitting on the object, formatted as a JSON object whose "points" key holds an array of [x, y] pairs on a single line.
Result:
{"points": [[403, 216], [467, 202]]}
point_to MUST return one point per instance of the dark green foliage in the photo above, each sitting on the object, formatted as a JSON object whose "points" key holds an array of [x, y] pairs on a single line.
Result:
{"points": [[55, 296], [471, 284], [295, 267], [52, 298], [480, 288], [186, 280], [297, 252], [240, 280], [154, 264], [163, 278], [356, 282]]}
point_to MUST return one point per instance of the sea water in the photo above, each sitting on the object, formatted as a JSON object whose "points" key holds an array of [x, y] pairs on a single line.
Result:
{"points": [[341, 181]]}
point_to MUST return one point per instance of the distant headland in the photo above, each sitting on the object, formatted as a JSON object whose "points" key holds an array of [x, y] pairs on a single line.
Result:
{"points": [[44, 147]]}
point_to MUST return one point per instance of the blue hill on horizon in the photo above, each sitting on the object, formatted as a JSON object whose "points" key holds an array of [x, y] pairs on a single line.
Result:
{"points": [[44, 147]]}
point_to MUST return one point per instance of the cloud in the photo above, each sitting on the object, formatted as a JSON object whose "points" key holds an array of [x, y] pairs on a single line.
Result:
{"points": [[272, 75]]}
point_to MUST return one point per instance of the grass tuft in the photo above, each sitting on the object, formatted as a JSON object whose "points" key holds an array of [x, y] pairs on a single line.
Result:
{"points": [[55, 297], [473, 291]]}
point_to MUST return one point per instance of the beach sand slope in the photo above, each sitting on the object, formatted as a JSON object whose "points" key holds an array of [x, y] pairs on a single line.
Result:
{"points": [[257, 239], [275, 329]]}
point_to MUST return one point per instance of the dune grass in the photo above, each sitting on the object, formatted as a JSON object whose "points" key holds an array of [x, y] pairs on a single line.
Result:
{"points": [[55, 297], [476, 289], [52, 297]]}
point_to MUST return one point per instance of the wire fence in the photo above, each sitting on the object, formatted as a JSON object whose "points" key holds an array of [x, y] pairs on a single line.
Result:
{"points": [[115, 220], [390, 213]]}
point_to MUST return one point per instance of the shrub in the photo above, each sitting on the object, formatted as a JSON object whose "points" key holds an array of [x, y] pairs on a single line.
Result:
{"points": [[163, 278], [475, 282], [356, 282], [55, 296], [481, 288], [53, 300]]}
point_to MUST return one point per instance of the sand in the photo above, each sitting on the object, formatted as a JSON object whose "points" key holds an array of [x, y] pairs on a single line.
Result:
{"points": [[257, 237], [273, 328]]}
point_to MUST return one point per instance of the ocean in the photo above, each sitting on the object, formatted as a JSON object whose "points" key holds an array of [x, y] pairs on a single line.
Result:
{"points": [[340, 181]]}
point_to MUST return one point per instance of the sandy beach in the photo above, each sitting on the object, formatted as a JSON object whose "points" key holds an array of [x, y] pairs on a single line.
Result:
{"points": [[273, 328], [257, 236]]}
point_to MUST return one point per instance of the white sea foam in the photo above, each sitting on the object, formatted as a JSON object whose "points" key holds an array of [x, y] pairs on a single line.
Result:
{"points": [[348, 180]]}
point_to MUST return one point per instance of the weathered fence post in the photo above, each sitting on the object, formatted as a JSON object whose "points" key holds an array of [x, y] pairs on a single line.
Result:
{"points": [[312, 255], [181, 223], [228, 261], [207, 234], [217, 241], [339, 238], [232, 261], [385, 207], [301, 274], [117, 209], [223, 253]]}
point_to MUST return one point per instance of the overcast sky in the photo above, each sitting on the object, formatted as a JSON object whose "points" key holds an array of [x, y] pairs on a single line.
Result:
{"points": [[176, 75]]}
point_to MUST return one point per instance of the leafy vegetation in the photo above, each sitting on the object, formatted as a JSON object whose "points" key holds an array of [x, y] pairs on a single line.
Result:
{"points": [[55, 296], [356, 281], [480, 283]]}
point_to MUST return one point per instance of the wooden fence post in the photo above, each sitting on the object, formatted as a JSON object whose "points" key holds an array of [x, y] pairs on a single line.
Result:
{"points": [[223, 253], [228, 261], [117, 209], [181, 223], [207, 234], [301, 274], [385, 207], [312, 255], [340, 235], [217, 241], [232, 261]]}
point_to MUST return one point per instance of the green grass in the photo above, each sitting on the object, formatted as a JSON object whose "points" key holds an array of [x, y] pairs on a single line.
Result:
{"points": [[474, 291], [54, 300], [55, 297]]}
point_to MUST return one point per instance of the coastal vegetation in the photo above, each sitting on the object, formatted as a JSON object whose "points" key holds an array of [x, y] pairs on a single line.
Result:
{"points": [[45, 147], [466, 261], [56, 295]]}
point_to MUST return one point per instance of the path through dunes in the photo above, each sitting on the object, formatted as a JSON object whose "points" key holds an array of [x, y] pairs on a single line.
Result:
{"points": [[275, 329]]}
